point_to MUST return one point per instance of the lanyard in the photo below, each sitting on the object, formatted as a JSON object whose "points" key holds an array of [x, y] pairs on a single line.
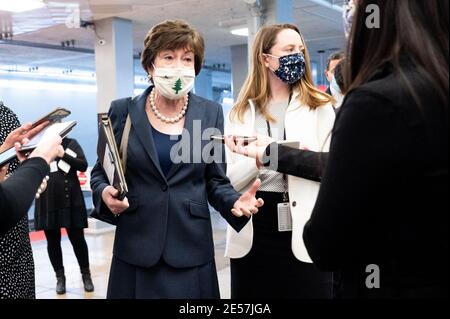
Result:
{"points": [[269, 131], [285, 194]]}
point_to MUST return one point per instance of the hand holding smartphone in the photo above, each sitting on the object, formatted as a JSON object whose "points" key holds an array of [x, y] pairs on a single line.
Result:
{"points": [[34, 132]]}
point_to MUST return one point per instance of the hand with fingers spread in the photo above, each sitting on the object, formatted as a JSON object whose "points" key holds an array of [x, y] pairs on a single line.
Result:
{"points": [[254, 149], [248, 204], [109, 196]]}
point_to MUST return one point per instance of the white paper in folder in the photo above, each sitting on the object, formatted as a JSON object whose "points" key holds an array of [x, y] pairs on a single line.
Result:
{"points": [[108, 164]]}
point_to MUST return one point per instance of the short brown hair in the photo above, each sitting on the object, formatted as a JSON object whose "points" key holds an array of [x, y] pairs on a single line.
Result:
{"points": [[338, 55], [172, 35]]}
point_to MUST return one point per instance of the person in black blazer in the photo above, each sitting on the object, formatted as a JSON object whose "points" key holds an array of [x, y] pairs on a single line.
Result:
{"points": [[16, 195], [381, 216], [164, 245], [62, 205]]}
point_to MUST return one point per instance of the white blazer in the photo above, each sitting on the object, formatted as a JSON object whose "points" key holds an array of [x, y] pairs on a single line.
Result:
{"points": [[312, 128]]}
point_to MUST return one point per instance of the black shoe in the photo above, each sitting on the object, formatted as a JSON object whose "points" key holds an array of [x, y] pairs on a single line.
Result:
{"points": [[87, 280], [60, 282]]}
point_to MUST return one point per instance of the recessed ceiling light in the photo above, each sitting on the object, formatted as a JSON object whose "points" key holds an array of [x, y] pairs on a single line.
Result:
{"points": [[243, 32], [18, 6]]}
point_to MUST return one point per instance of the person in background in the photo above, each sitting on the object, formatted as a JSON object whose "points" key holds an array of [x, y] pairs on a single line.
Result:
{"points": [[164, 245], [62, 205], [268, 257], [337, 87], [332, 61], [18, 274], [8, 122], [16, 195], [381, 216]]}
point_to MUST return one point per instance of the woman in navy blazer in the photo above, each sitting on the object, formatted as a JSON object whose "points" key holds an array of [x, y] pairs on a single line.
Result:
{"points": [[164, 246]]}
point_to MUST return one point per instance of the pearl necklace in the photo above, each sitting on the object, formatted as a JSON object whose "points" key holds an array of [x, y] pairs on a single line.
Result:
{"points": [[163, 118]]}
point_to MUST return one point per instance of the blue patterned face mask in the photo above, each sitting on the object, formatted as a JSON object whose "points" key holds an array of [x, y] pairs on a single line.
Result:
{"points": [[292, 67]]}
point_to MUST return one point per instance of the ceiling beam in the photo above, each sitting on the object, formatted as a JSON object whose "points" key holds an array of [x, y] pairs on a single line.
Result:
{"points": [[50, 47], [45, 46]]}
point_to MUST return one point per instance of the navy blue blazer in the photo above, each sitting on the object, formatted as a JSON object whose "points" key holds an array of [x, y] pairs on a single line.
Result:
{"points": [[169, 216]]}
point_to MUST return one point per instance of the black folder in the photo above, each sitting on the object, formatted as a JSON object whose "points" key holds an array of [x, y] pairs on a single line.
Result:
{"points": [[109, 157]]}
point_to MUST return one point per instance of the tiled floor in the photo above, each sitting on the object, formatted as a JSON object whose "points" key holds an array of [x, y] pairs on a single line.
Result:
{"points": [[100, 249]]}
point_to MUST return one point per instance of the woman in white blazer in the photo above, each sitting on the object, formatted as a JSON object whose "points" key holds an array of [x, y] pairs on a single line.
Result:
{"points": [[268, 256]]}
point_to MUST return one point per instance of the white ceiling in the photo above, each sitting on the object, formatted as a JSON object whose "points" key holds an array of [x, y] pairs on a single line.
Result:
{"points": [[321, 26]]}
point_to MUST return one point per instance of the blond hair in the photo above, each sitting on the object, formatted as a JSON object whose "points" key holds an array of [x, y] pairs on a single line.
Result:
{"points": [[257, 87]]}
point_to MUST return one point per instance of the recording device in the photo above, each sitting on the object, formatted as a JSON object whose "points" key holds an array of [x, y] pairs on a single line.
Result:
{"points": [[54, 117], [245, 139], [62, 129]]}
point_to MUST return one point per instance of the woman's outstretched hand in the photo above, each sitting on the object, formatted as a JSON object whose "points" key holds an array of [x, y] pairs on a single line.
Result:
{"points": [[247, 204]]}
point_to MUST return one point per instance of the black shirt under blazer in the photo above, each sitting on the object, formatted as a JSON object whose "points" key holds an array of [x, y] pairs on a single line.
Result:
{"points": [[169, 216]]}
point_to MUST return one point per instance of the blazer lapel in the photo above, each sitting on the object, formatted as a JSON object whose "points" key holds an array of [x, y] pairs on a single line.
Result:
{"points": [[142, 127], [195, 112]]}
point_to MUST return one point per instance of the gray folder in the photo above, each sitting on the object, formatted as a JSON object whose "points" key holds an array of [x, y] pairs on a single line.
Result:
{"points": [[109, 158]]}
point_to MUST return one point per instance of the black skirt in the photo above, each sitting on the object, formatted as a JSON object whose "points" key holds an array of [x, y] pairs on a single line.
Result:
{"points": [[72, 217], [162, 281], [270, 269]]}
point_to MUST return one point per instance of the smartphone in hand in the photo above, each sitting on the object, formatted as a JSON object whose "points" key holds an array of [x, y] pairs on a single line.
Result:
{"points": [[246, 139], [52, 117]]}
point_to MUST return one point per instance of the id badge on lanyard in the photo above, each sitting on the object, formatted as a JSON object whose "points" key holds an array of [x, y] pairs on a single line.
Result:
{"points": [[284, 217]]}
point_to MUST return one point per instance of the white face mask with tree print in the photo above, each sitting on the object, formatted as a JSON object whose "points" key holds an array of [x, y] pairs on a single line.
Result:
{"points": [[173, 83]]}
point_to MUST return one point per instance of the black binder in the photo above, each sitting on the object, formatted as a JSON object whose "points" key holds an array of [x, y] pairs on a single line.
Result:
{"points": [[109, 158]]}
